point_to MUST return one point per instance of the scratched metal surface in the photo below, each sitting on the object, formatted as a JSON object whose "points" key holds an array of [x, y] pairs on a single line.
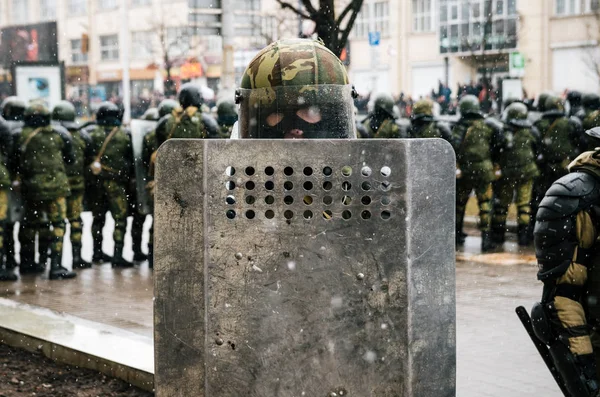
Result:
{"points": [[295, 275]]}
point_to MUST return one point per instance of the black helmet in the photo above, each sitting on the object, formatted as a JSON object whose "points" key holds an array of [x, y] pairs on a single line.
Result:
{"points": [[64, 114], [516, 115], [13, 108], [226, 112], [384, 105], [541, 101], [574, 98], [37, 115], [166, 106], [590, 101], [108, 114], [190, 95]]}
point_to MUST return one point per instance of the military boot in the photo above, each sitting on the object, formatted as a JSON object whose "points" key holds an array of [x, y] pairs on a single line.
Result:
{"points": [[44, 247], [99, 255], [486, 241], [78, 262], [460, 237], [138, 255], [523, 235], [6, 273], [498, 232], [118, 260], [9, 246], [57, 272], [28, 263]]}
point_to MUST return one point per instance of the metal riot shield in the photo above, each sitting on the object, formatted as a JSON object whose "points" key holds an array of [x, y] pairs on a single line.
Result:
{"points": [[305, 268], [139, 129]]}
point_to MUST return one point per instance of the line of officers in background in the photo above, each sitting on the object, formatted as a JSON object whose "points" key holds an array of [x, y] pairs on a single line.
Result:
{"points": [[513, 158], [52, 169]]}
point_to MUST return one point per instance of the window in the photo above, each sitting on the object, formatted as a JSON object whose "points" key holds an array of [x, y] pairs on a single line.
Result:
{"points": [[141, 45], [204, 3], [178, 41], [423, 15], [575, 7], [109, 47], [77, 7], [381, 19], [464, 24], [19, 11], [107, 4], [77, 57], [135, 3], [47, 10]]}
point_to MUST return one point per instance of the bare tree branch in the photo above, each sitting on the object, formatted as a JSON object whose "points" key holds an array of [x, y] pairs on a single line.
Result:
{"points": [[284, 5], [346, 32], [309, 7]]}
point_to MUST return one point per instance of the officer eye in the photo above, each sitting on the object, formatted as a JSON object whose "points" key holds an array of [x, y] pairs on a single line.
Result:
{"points": [[273, 119], [311, 115]]}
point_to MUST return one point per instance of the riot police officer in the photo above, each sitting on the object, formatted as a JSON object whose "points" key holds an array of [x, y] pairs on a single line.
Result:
{"points": [[41, 152], [13, 110], [109, 157], [517, 162], [424, 125], [226, 117], [150, 146], [6, 272], [381, 122], [300, 105], [566, 242], [186, 121], [475, 145], [63, 114]]}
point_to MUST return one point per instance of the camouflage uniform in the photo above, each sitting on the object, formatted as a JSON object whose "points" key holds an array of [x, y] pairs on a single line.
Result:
{"points": [[518, 170], [559, 143], [186, 121], [226, 117], [6, 273], [296, 89], [64, 115], [566, 243], [424, 125], [381, 123], [41, 152], [13, 110], [475, 145], [109, 171]]}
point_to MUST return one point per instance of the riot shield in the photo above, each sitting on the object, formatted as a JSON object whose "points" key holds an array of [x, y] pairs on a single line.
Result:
{"points": [[305, 268], [139, 129]]}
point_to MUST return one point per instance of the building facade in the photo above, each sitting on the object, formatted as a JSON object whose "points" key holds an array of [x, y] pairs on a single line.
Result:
{"points": [[461, 41]]}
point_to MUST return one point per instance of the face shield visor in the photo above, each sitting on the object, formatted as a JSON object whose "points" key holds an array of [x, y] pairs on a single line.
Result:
{"points": [[297, 112]]}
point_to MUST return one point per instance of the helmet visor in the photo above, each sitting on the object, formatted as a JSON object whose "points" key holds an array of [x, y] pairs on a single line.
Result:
{"points": [[297, 112]]}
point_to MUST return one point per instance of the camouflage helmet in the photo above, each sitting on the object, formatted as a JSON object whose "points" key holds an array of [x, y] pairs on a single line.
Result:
{"points": [[13, 108], [36, 115], [166, 106], [190, 95], [108, 114], [384, 105], [554, 106], [509, 101], [516, 115], [226, 112], [422, 110], [468, 107], [151, 114], [590, 101], [64, 114], [296, 88]]}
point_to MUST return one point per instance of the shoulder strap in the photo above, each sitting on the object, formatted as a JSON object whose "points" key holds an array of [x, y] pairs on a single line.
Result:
{"points": [[552, 126], [29, 138], [105, 144], [177, 122]]}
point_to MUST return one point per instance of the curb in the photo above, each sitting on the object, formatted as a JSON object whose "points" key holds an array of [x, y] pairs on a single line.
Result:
{"points": [[31, 328]]}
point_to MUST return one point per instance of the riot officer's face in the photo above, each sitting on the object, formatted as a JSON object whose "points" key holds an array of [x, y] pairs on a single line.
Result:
{"points": [[306, 118]]}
